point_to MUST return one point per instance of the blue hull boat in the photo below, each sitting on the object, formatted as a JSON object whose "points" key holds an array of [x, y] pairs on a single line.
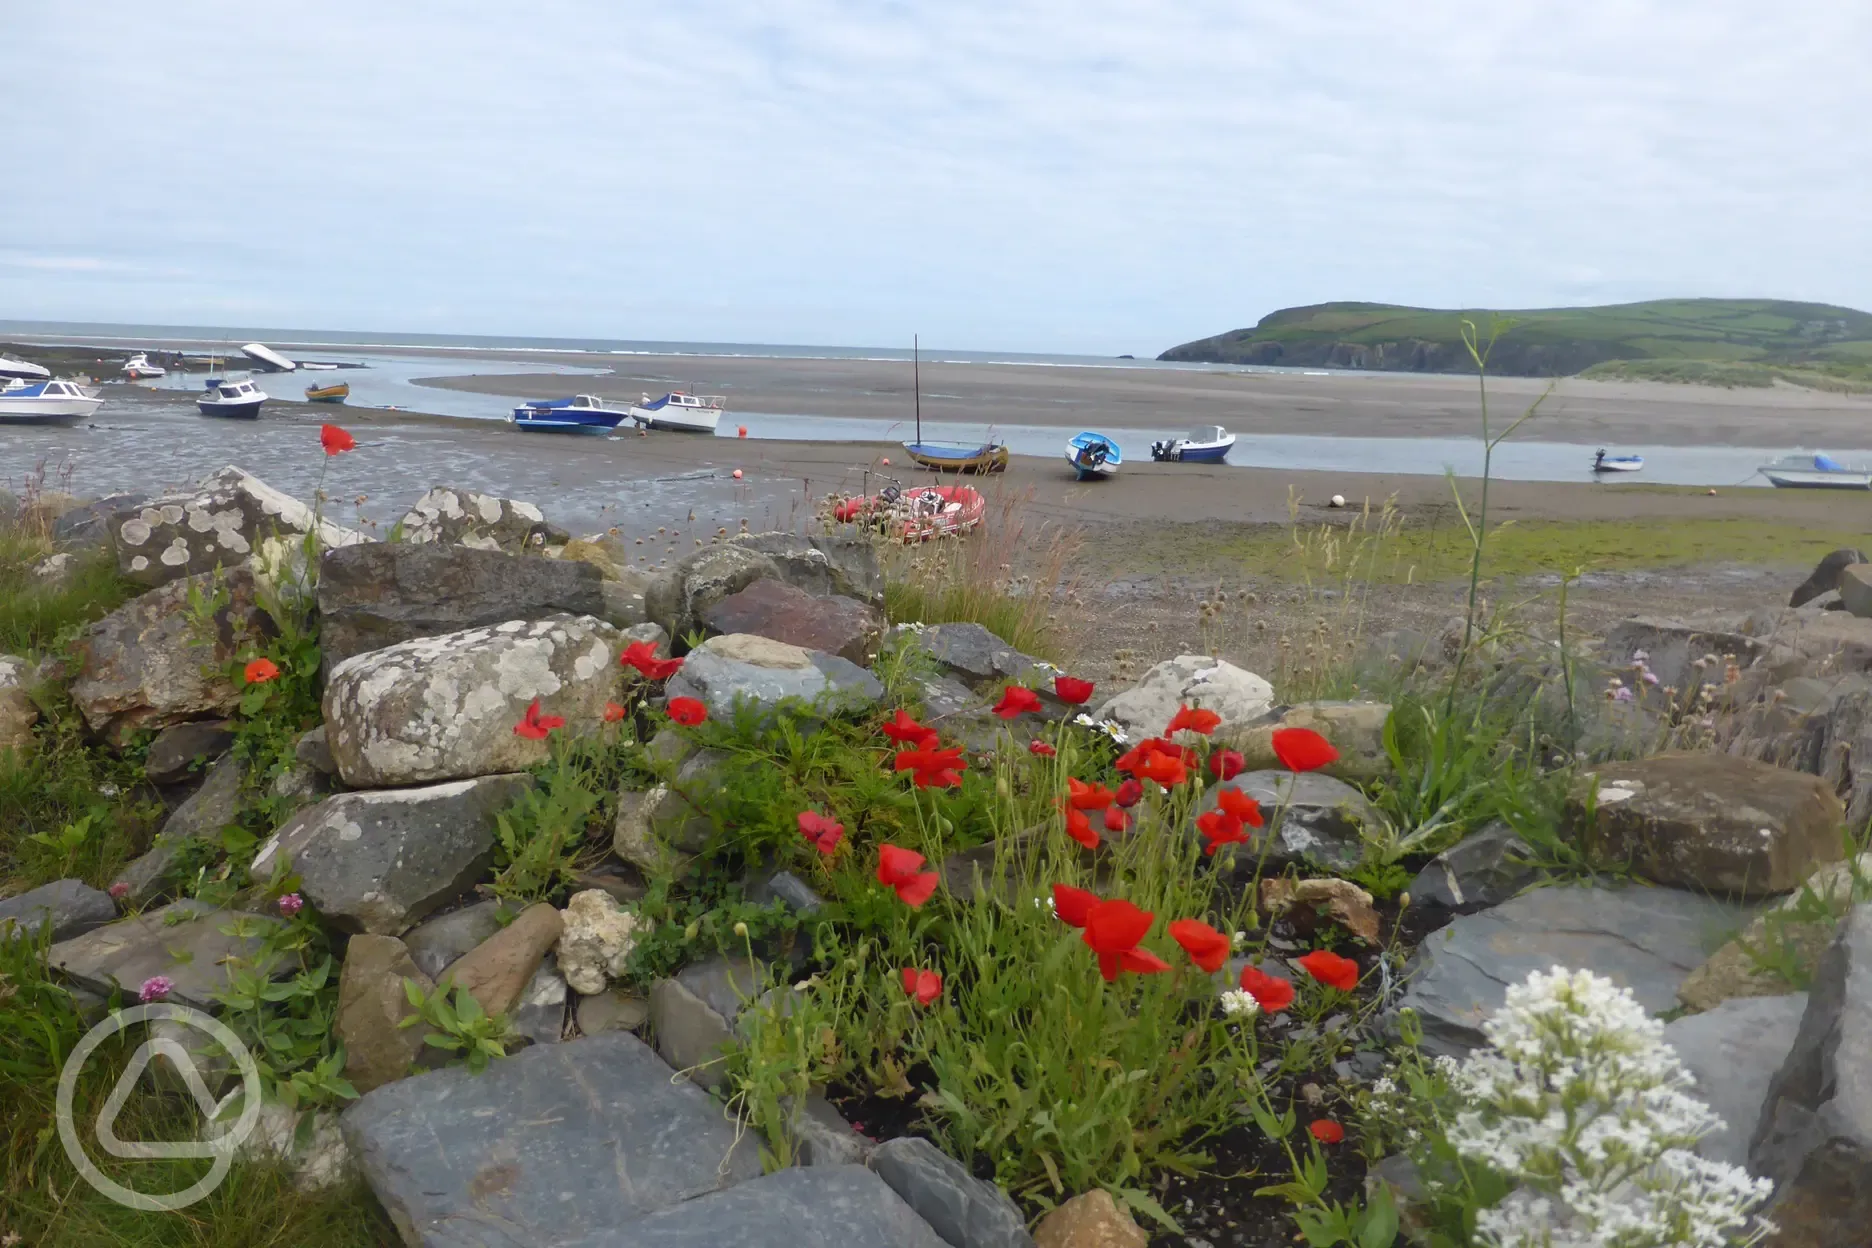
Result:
{"points": [[1093, 455], [1203, 446], [582, 413]]}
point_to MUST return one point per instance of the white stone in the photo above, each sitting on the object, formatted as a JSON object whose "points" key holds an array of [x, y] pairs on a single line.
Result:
{"points": [[596, 942], [1236, 694]]}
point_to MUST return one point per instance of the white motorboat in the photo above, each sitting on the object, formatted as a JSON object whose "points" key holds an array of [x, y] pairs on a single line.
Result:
{"points": [[684, 413], [1816, 472], [1208, 445], [22, 370], [1603, 462], [45, 402], [239, 400], [138, 366]]}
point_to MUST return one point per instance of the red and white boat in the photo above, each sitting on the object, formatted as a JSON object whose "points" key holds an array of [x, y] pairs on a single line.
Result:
{"points": [[917, 514]]}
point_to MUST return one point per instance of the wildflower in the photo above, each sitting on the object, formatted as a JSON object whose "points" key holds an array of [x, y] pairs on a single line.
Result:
{"points": [[119, 891], [1194, 719], [1237, 1004], [1640, 656], [1302, 749], [1112, 931], [1271, 992], [1326, 1131], [642, 656], [1622, 694], [1110, 727], [155, 988], [1080, 828], [335, 440], [1072, 905], [613, 712], [1239, 804], [935, 769], [1015, 700], [1072, 691], [740, 930], [1226, 764], [1166, 769], [1083, 796], [1239, 942], [1650, 678], [1331, 969], [906, 731], [687, 711], [900, 869], [925, 986], [291, 904], [1041, 748], [1206, 947], [1130, 793], [535, 726], [824, 833], [1220, 828], [260, 671], [1116, 820]]}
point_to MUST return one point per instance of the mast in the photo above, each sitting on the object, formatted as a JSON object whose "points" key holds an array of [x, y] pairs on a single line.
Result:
{"points": [[916, 381]]}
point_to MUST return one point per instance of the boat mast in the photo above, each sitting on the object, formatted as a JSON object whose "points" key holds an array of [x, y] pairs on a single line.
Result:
{"points": [[916, 382]]}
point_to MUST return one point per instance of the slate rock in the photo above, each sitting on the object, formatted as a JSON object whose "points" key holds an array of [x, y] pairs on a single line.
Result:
{"points": [[616, 1010], [693, 1015], [379, 861], [1644, 939], [1734, 1051], [972, 654], [383, 593], [1320, 820], [789, 889], [1855, 589], [679, 598], [1090, 1220], [18, 712], [1488, 867], [497, 971], [1355, 729], [772, 608], [314, 1154], [943, 697], [965, 1211], [372, 1004], [208, 810], [1239, 696], [437, 942], [633, 838], [535, 1149], [69, 907], [479, 521], [183, 941], [222, 523], [314, 751], [176, 749], [724, 671], [1824, 579], [540, 1013], [1794, 934], [444, 708], [822, 1137], [822, 564]]}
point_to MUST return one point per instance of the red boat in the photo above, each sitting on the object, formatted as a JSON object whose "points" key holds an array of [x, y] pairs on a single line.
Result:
{"points": [[916, 514]]}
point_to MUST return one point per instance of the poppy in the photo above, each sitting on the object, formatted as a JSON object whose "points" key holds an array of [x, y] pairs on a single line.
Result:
{"points": [[1239, 804], [1072, 691], [1272, 993], [925, 986], [1138, 754], [906, 731], [1194, 719], [1226, 764], [1206, 947], [1016, 699], [1112, 931], [1326, 1131], [1302, 749], [335, 440], [935, 769], [824, 833], [1116, 820], [535, 726], [1331, 969], [1073, 904], [642, 656], [1080, 828], [260, 671], [1220, 828], [1083, 796], [1041, 748], [613, 712], [900, 869], [687, 711], [1130, 793], [1166, 769]]}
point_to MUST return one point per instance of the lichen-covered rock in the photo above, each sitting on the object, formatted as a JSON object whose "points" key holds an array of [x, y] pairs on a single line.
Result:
{"points": [[596, 942], [1239, 696], [771, 608], [18, 712], [87, 526], [724, 671], [220, 524], [480, 521], [679, 598], [444, 708]]}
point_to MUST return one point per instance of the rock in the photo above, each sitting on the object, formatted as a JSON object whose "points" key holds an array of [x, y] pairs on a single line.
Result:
{"points": [[89, 524], [201, 818], [1815, 1138], [183, 942], [1710, 822], [321, 1161], [379, 861], [55, 571], [1356, 730], [785, 887], [372, 1004], [1488, 867], [151, 663], [1240, 697], [594, 552], [616, 1010], [1825, 577], [444, 708], [1321, 820], [965, 1211], [18, 712], [383, 593], [619, 881], [176, 749], [774, 609], [496, 972], [1734, 1052], [540, 1014], [478, 521], [679, 817], [222, 523], [624, 602], [632, 837], [69, 907], [843, 1205], [725, 670], [680, 598], [1342, 901], [846, 566], [971, 654], [556, 1142], [315, 752], [1785, 941], [1090, 1220], [435, 943], [597, 940], [1855, 589], [1644, 939], [822, 1137], [212, 1067], [1673, 646], [943, 697], [693, 1015]]}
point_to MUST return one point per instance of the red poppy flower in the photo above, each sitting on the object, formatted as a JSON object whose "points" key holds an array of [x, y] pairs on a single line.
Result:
{"points": [[1016, 699], [1226, 764], [925, 986], [1073, 904], [1165, 769], [1072, 690], [1272, 993], [1041, 748], [824, 833], [642, 656], [900, 869], [687, 711], [535, 726], [335, 440], [1080, 828], [1239, 804], [1130, 793], [613, 712], [1220, 828], [1116, 820], [1326, 1131], [1194, 719], [1112, 930], [906, 731], [1302, 749], [935, 769], [1206, 947], [260, 671], [1083, 796], [1331, 969]]}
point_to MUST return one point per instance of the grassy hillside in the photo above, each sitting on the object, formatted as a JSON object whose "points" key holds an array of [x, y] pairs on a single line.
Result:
{"points": [[1752, 340]]}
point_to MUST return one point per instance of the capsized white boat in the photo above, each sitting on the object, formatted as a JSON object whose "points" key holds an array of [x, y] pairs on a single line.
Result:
{"points": [[684, 413], [1820, 471], [138, 366], [267, 358], [22, 370], [240, 400], [45, 402]]}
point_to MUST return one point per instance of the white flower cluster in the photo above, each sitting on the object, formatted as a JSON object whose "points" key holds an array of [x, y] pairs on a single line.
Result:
{"points": [[1110, 727], [1239, 1004], [1580, 1099]]}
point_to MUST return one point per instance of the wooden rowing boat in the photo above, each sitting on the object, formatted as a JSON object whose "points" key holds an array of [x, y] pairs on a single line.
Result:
{"points": [[337, 393]]}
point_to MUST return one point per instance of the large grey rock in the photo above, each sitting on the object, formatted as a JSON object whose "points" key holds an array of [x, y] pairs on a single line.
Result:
{"points": [[380, 594], [1734, 1052], [1824, 579], [971, 654], [437, 942], [208, 810], [679, 598], [1855, 589], [1355, 729], [444, 708], [964, 1210], [186, 942], [18, 712], [479, 521], [68, 907], [1644, 939], [372, 1004], [1312, 818], [1239, 696], [1815, 1138], [841, 1205], [771, 608], [222, 523], [379, 861], [724, 671], [1485, 869], [152, 663], [558, 1142], [176, 749], [847, 566]]}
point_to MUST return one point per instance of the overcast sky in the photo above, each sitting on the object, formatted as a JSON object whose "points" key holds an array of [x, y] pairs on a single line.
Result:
{"points": [[1049, 175]]}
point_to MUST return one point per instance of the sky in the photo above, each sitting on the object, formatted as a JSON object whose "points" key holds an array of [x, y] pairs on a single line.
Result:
{"points": [[1093, 176]]}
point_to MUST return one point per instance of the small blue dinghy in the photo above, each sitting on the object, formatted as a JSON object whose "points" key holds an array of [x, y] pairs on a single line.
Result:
{"points": [[1093, 455]]}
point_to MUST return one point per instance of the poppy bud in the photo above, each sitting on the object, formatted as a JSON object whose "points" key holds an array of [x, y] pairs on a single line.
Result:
{"points": [[1403, 901], [692, 931], [740, 929], [1003, 789]]}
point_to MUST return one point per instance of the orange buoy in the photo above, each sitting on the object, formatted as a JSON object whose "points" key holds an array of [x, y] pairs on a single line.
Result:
{"points": [[886, 461], [740, 431], [737, 474]]}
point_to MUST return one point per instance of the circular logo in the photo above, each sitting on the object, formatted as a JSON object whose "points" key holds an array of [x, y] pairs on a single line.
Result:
{"points": [[221, 1146]]}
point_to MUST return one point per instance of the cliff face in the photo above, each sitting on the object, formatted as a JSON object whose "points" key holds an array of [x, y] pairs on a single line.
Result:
{"points": [[1410, 355]]}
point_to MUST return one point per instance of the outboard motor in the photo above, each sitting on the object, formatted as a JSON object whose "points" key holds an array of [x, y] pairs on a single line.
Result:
{"points": [[1160, 450]]}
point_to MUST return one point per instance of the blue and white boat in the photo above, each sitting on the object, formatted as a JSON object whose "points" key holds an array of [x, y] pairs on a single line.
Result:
{"points": [[1208, 445], [45, 402], [582, 413], [233, 398], [1804, 471], [1603, 462], [684, 413], [1093, 455]]}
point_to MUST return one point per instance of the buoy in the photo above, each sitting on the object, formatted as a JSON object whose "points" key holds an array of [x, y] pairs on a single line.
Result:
{"points": [[737, 474], [1712, 493], [740, 431], [886, 461], [1338, 500]]}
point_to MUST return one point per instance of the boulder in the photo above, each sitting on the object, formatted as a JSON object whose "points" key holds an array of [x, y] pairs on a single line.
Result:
{"points": [[496, 972], [1488, 867], [616, 1010], [1311, 817], [183, 942], [1710, 822], [18, 712], [1825, 577], [444, 708], [846, 566], [1672, 647], [822, 1137], [178, 748], [556, 1142], [222, 523], [212, 807], [724, 671], [1240, 697], [1356, 730], [372, 1004], [1780, 949], [694, 1014], [1090, 1220], [964, 1210], [970, 654], [88, 525], [152, 663], [633, 838], [596, 943], [678, 599], [540, 1013], [435, 943], [478, 521], [383, 593], [379, 861], [774, 609], [1734, 1052], [68, 907], [1855, 589]]}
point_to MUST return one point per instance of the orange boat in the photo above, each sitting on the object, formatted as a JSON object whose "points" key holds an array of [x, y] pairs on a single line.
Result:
{"points": [[917, 514]]}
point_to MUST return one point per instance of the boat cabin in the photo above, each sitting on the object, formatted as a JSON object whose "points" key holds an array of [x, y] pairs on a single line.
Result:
{"points": [[14, 389]]}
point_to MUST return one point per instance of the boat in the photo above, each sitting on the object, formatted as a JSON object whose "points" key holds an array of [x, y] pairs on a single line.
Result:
{"points": [[267, 358], [337, 392], [1602, 462], [1816, 472], [138, 366], [23, 371], [45, 402], [1208, 445], [239, 400], [1093, 455], [917, 514], [990, 456], [682, 413], [582, 413]]}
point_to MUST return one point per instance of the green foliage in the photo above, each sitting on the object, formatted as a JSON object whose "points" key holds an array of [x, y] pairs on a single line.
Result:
{"points": [[283, 1002], [39, 616], [458, 1024]]}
